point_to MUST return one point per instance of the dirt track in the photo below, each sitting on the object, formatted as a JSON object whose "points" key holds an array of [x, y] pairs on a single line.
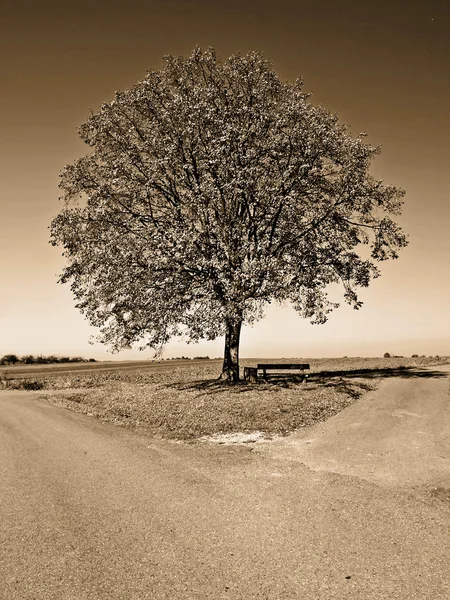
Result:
{"points": [[89, 511]]}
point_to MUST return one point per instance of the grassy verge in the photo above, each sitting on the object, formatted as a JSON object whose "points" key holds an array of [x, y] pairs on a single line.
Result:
{"points": [[188, 402]]}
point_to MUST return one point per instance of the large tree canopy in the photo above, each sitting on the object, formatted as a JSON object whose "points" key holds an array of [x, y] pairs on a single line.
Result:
{"points": [[211, 189]]}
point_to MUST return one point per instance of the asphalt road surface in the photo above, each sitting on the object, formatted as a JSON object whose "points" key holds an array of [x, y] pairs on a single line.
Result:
{"points": [[355, 508]]}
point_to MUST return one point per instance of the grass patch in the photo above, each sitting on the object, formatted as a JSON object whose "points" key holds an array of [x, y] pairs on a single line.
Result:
{"points": [[188, 402], [181, 412]]}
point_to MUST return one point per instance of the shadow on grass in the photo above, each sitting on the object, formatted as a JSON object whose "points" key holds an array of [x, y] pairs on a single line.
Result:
{"points": [[214, 386], [210, 387], [341, 381]]}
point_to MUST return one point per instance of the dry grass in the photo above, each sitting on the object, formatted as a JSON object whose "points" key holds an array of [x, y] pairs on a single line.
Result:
{"points": [[187, 401], [187, 413]]}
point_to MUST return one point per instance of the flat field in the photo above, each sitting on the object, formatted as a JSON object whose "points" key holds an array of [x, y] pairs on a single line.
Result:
{"points": [[184, 400], [52, 370]]}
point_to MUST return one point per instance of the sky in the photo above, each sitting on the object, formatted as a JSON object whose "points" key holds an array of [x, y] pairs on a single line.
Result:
{"points": [[383, 67]]}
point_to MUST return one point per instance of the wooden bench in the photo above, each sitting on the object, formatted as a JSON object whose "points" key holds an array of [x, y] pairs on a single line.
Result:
{"points": [[251, 373]]}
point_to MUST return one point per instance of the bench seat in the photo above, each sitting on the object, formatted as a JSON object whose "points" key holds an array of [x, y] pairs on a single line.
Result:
{"points": [[251, 373]]}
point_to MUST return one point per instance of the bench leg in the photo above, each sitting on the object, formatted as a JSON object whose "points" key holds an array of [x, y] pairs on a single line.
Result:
{"points": [[250, 374]]}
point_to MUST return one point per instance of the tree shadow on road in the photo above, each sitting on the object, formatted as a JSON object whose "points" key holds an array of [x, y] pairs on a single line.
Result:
{"points": [[402, 372]]}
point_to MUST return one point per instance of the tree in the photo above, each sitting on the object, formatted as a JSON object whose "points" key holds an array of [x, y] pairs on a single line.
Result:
{"points": [[9, 359], [52, 359], [41, 360], [28, 359], [211, 189]]}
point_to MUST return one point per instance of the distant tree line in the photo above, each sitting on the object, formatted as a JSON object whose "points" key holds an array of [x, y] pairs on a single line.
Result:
{"points": [[30, 359], [388, 355]]}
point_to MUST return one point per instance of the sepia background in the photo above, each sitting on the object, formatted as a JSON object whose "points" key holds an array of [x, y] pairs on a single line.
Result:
{"points": [[382, 66]]}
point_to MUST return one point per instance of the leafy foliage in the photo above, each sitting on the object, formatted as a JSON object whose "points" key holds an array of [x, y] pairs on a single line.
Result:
{"points": [[9, 359], [211, 189], [29, 359]]}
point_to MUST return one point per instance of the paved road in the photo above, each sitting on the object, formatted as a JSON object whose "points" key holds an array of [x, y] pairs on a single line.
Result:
{"points": [[91, 511], [398, 435]]}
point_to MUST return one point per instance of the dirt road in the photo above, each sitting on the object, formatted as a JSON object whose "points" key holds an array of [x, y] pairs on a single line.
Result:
{"points": [[90, 511]]}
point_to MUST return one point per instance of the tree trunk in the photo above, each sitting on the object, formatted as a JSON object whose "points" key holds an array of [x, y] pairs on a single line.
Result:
{"points": [[230, 368]]}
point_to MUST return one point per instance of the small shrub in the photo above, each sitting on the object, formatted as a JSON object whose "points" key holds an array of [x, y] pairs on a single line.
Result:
{"points": [[415, 356], [387, 355], [32, 385]]}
